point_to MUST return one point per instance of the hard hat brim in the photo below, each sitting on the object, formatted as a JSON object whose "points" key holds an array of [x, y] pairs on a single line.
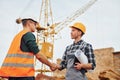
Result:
{"points": [[76, 28]]}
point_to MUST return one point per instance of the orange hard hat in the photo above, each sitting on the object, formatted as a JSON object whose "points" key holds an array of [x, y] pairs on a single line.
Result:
{"points": [[79, 26]]}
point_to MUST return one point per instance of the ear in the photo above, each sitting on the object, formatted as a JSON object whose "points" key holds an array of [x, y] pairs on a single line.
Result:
{"points": [[79, 33]]}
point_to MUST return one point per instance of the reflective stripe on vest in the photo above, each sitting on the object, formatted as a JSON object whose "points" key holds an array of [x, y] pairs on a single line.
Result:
{"points": [[17, 65], [20, 55]]}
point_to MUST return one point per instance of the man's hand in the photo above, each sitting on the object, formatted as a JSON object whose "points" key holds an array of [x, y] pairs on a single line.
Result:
{"points": [[54, 66], [78, 66]]}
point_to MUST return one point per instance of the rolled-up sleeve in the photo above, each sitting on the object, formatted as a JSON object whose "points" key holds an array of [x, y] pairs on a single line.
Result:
{"points": [[90, 55]]}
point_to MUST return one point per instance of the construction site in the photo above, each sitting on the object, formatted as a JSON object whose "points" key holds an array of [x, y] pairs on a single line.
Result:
{"points": [[108, 67], [51, 36]]}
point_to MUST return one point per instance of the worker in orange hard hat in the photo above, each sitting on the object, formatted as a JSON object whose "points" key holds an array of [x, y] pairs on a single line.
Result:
{"points": [[76, 64], [19, 62]]}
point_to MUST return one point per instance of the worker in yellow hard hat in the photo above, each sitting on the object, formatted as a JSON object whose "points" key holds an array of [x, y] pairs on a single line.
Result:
{"points": [[80, 27], [76, 64], [19, 61]]}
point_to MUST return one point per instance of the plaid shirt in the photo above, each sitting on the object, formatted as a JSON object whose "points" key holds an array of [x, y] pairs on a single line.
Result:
{"points": [[69, 57]]}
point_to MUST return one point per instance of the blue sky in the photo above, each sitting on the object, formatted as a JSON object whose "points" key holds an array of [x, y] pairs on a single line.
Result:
{"points": [[102, 21]]}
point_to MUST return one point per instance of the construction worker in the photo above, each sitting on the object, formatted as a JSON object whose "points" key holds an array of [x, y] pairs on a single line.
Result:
{"points": [[75, 69], [19, 62]]}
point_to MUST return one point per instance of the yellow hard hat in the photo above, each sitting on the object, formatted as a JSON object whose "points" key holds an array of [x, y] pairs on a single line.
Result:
{"points": [[80, 26]]}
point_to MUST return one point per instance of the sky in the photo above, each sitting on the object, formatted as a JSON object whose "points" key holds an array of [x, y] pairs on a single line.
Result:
{"points": [[102, 22]]}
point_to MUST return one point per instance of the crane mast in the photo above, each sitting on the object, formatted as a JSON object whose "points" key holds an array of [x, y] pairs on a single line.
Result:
{"points": [[44, 39]]}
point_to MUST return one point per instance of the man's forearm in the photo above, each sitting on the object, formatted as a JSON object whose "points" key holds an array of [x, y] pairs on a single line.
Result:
{"points": [[87, 66], [42, 58]]}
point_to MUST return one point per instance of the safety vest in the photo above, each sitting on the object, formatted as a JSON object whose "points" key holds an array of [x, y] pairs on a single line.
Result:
{"points": [[17, 63]]}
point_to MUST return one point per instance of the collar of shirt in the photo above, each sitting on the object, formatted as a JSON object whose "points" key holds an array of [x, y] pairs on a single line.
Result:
{"points": [[79, 42]]}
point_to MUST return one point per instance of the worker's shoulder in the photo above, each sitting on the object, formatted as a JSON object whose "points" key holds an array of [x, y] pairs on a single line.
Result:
{"points": [[68, 46], [28, 35], [81, 43], [87, 45]]}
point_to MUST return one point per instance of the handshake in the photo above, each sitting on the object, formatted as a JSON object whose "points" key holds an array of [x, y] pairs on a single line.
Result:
{"points": [[54, 66]]}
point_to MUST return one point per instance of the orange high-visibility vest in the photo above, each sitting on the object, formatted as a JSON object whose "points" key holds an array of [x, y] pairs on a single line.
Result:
{"points": [[17, 63]]}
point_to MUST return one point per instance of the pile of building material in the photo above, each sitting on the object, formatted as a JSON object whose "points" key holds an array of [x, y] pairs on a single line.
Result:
{"points": [[106, 68]]}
